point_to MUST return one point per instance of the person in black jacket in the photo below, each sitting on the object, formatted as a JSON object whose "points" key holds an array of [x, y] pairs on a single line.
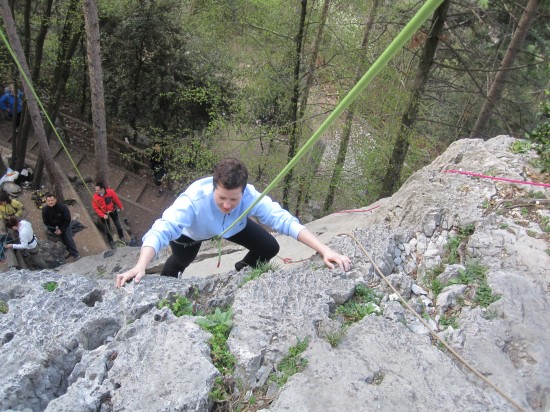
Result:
{"points": [[57, 218]]}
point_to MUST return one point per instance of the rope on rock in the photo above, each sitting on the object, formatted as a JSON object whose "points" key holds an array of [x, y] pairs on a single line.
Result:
{"points": [[502, 179], [432, 332]]}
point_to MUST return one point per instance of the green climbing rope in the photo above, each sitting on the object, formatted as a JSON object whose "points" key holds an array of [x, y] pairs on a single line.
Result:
{"points": [[397, 44]]}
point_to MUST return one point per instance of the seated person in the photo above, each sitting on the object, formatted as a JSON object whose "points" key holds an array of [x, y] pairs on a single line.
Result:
{"points": [[9, 207], [25, 241], [57, 218]]}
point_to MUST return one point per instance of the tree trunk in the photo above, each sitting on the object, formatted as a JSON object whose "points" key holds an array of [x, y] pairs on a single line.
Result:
{"points": [[401, 145], [96, 88], [67, 48], [31, 101], [293, 140], [498, 84], [315, 156], [348, 123], [26, 124]]}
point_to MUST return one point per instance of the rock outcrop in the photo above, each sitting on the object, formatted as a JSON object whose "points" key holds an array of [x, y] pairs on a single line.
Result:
{"points": [[469, 256]]}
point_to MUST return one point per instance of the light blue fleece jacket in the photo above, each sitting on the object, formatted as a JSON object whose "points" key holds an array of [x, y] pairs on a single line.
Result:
{"points": [[195, 214]]}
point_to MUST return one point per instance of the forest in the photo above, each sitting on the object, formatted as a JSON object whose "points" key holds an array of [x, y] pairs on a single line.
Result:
{"points": [[255, 79]]}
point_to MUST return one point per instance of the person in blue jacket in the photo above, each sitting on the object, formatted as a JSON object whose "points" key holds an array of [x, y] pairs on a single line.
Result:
{"points": [[206, 209], [7, 103]]}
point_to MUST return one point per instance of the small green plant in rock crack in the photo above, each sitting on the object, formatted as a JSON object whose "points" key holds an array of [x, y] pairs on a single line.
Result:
{"points": [[335, 337], [365, 301], [3, 307], [50, 286], [181, 306], [437, 287], [484, 295], [260, 269], [219, 325], [432, 274], [291, 363], [446, 321], [454, 242]]}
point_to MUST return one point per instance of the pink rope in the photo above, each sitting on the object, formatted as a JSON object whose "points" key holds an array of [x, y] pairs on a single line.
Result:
{"points": [[497, 178]]}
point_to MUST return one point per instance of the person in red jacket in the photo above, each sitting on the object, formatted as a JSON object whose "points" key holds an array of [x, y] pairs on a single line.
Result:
{"points": [[107, 204]]}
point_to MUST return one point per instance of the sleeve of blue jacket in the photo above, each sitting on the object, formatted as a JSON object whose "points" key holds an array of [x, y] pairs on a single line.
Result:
{"points": [[271, 214], [181, 214]]}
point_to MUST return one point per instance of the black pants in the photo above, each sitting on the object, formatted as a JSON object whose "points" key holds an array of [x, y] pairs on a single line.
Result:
{"points": [[106, 226], [261, 246], [66, 237]]}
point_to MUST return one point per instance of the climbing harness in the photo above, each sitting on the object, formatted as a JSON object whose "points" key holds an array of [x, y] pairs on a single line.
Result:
{"points": [[432, 332]]}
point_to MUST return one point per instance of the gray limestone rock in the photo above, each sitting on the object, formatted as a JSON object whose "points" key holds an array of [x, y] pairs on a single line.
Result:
{"points": [[362, 374], [86, 346], [278, 308]]}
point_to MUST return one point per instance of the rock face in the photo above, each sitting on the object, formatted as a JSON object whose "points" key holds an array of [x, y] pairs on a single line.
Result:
{"points": [[464, 258]]}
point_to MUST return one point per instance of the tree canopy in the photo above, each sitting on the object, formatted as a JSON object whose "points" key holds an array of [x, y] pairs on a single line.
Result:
{"points": [[225, 78]]}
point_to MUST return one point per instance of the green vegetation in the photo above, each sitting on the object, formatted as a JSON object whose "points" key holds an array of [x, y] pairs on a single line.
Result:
{"points": [[50, 286], [446, 321], [545, 224], [3, 307], [484, 294], [180, 305], [291, 363], [432, 274], [520, 146], [365, 301], [436, 287], [455, 241], [536, 195], [219, 325], [335, 337], [262, 268]]}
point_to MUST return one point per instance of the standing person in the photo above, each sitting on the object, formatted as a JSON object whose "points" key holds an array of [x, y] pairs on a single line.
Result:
{"points": [[57, 218], [9, 207], [209, 206], [158, 168], [27, 241], [7, 103], [106, 204]]}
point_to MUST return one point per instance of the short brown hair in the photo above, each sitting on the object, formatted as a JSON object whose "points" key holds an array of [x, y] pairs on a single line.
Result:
{"points": [[12, 221], [230, 173]]}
